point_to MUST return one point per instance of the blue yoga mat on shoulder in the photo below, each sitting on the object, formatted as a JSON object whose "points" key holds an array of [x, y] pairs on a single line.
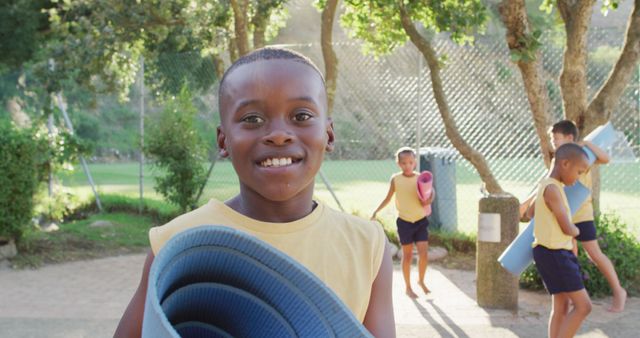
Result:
{"points": [[214, 281], [519, 254]]}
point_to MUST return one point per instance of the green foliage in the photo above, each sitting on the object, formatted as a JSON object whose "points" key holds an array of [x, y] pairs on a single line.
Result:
{"points": [[77, 240], [378, 22], [108, 37], [21, 25], [56, 151], [617, 243], [622, 248], [178, 151], [530, 279], [56, 207], [528, 45], [454, 242], [110, 126], [159, 211], [18, 181]]}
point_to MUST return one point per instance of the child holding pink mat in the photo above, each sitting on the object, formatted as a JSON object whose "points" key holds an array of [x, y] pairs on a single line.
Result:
{"points": [[412, 220]]}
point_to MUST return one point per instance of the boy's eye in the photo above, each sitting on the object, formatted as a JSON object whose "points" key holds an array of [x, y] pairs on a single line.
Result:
{"points": [[253, 119], [302, 116]]}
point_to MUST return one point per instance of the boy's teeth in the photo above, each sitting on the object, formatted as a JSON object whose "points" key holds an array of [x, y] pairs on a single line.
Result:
{"points": [[277, 162]]}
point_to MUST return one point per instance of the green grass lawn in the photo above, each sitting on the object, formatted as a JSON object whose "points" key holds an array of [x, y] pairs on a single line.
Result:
{"points": [[77, 240], [361, 185]]}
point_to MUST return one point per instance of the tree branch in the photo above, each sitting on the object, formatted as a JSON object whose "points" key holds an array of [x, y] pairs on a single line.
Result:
{"points": [[573, 78], [328, 54], [607, 98], [514, 16], [451, 129]]}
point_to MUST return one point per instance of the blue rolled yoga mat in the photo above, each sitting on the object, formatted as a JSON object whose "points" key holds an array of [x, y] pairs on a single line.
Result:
{"points": [[214, 281], [519, 254]]}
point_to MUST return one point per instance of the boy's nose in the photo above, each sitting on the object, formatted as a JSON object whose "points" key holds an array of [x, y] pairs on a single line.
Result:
{"points": [[278, 134]]}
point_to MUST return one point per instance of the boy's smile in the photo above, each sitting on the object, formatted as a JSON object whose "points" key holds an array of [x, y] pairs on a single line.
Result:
{"points": [[275, 128]]}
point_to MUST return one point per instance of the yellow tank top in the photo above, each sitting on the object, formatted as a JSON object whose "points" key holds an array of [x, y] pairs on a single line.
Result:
{"points": [[407, 202], [546, 229], [344, 251], [585, 212]]}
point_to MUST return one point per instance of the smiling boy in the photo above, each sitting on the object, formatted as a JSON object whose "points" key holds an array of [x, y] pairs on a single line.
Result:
{"points": [[275, 129]]}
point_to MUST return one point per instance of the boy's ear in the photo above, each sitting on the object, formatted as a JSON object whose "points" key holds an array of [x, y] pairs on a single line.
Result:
{"points": [[221, 138], [331, 136]]}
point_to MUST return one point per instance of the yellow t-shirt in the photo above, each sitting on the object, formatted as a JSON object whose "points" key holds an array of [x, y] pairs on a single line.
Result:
{"points": [[344, 251], [407, 202], [546, 229], [585, 212]]}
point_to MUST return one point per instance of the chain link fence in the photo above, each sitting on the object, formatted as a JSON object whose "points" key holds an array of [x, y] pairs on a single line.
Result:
{"points": [[384, 103]]}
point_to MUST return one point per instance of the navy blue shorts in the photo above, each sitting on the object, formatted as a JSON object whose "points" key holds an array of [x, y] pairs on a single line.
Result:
{"points": [[559, 269], [413, 232], [587, 231]]}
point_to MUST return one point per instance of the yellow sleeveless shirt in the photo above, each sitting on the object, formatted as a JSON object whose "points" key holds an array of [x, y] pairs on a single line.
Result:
{"points": [[407, 202], [546, 229], [585, 212], [344, 251]]}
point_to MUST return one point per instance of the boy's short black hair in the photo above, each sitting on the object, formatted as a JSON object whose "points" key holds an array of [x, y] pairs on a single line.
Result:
{"points": [[570, 151], [405, 150], [566, 127], [267, 53]]}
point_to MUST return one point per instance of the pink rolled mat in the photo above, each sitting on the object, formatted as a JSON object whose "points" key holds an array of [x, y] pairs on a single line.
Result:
{"points": [[425, 187]]}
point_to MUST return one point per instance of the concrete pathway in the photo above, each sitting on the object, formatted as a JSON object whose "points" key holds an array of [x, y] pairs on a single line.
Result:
{"points": [[86, 299]]}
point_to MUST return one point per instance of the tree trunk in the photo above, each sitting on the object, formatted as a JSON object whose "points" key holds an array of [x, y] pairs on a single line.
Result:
{"points": [[514, 17], [451, 130], [240, 25], [19, 117], [218, 63], [259, 23], [233, 50], [606, 100], [573, 78], [329, 55]]}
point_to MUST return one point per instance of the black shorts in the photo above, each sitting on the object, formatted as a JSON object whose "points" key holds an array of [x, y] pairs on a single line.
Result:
{"points": [[559, 269], [413, 232], [587, 231]]}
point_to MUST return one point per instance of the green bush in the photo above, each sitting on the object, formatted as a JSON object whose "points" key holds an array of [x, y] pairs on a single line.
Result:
{"points": [[177, 149], [453, 241], [18, 181], [55, 208], [159, 211], [617, 243]]}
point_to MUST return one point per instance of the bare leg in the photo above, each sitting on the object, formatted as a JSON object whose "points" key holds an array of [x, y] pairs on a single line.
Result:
{"points": [[559, 311], [606, 267], [573, 320], [423, 261], [407, 257], [575, 247]]}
